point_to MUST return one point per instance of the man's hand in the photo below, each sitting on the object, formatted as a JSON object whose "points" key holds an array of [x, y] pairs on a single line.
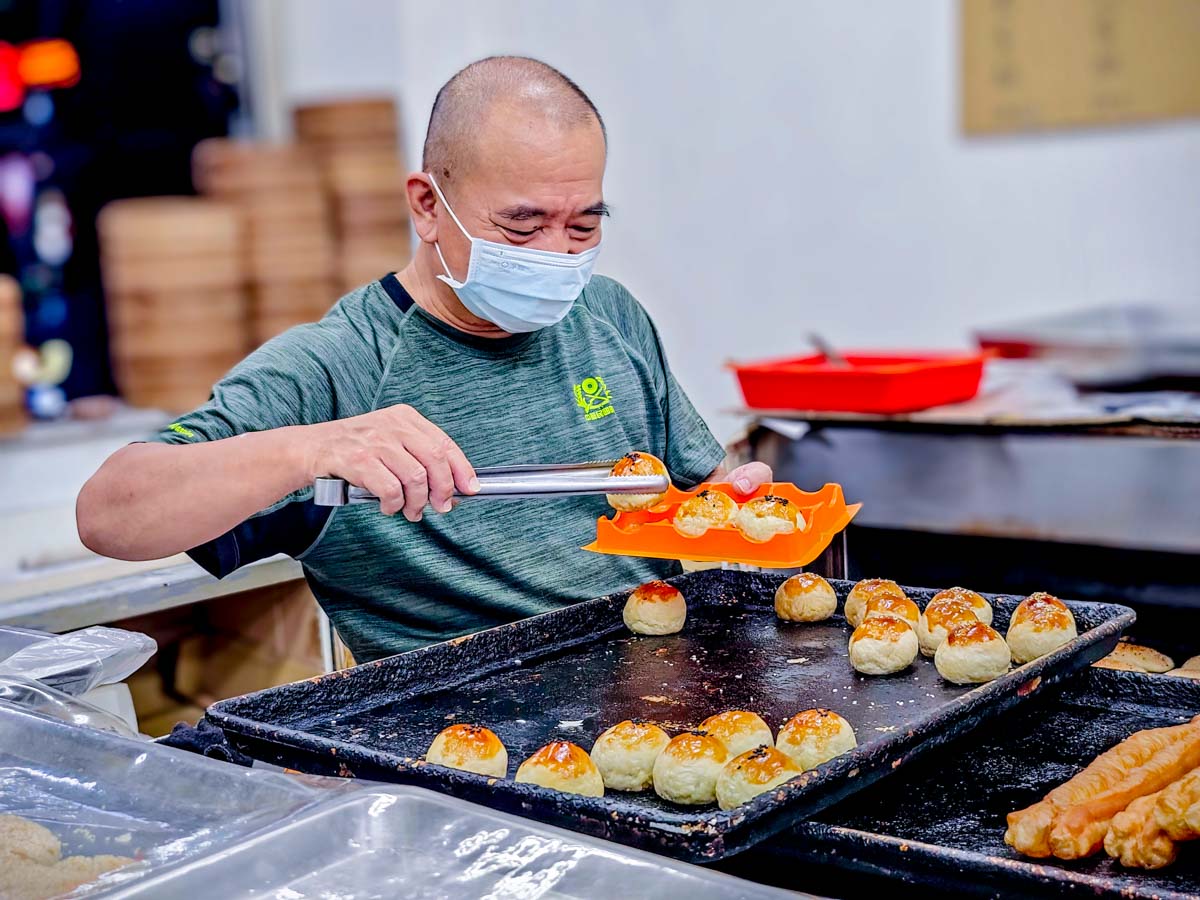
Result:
{"points": [[395, 453], [745, 479]]}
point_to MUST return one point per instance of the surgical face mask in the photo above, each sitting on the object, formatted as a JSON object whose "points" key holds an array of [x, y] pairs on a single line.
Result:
{"points": [[517, 288]]}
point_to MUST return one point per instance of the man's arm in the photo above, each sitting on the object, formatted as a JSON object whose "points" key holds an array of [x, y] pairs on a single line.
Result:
{"points": [[153, 500]]}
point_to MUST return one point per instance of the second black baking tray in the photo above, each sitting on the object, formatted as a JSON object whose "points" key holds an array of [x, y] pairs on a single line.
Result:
{"points": [[569, 674], [939, 827]]}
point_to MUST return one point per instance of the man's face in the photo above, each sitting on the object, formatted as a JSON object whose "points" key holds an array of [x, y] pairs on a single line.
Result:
{"points": [[528, 183]]}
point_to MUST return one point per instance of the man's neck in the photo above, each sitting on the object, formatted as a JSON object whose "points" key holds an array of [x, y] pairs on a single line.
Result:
{"points": [[438, 299]]}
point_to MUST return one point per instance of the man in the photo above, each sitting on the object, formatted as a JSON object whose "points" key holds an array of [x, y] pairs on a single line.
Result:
{"points": [[493, 346]]}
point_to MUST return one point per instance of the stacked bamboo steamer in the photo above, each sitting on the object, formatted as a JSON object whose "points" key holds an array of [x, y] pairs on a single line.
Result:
{"points": [[12, 333], [289, 243], [358, 144], [175, 284]]}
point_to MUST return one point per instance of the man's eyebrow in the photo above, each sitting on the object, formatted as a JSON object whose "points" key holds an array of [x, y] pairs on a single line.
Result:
{"points": [[523, 212]]}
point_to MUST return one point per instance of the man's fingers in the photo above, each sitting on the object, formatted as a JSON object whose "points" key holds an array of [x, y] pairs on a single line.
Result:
{"points": [[460, 467], [381, 482], [750, 477], [410, 473], [431, 453]]}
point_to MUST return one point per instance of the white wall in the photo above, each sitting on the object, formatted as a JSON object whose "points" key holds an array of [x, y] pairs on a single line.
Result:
{"points": [[782, 166]]}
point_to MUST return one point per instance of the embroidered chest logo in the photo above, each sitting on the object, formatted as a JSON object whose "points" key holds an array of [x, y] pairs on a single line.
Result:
{"points": [[593, 397]]}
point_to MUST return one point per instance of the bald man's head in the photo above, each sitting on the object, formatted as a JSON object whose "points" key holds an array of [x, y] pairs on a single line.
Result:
{"points": [[498, 85]]}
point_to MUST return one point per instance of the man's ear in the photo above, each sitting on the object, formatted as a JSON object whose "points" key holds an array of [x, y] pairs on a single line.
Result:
{"points": [[421, 203]]}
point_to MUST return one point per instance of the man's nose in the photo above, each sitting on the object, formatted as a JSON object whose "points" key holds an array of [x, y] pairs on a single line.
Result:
{"points": [[557, 241]]}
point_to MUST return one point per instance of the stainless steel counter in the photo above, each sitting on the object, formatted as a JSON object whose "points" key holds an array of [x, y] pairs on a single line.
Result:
{"points": [[1126, 491], [90, 594]]}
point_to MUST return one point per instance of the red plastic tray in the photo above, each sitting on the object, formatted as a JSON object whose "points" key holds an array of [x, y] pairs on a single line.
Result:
{"points": [[882, 383], [651, 532]]}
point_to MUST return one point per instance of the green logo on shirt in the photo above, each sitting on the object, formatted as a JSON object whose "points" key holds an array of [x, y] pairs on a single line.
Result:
{"points": [[593, 397], [179, 429]]}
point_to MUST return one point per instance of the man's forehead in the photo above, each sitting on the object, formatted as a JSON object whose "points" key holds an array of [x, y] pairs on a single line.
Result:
{"points": [[527, 174]]}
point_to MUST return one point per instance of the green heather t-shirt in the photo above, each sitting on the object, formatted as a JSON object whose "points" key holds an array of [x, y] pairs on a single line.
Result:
{"points": [[595, 386]]}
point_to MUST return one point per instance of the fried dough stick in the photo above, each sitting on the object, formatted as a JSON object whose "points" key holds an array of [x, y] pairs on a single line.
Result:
{"points": [[1029, 829], [1145, 835], [1135, 839], [1175, 812], [1080, 829]]}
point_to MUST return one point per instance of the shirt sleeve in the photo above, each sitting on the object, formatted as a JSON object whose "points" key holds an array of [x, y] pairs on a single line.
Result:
{"points": [[284, 382], [692, 453]]}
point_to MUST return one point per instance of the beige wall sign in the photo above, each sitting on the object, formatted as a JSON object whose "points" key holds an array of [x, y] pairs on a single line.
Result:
{"points": [[1035, 64]]}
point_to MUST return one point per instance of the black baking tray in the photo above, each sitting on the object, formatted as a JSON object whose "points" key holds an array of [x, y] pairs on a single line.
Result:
{"points": [[573, 672], [938, 828]]}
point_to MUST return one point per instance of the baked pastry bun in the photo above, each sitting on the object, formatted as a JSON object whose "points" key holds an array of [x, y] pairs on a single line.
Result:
{"points": [[686, 771], [707, 509], [562, 766], [625, 754], [938, 618], [762, 518], [882, 645], [655, 608], [752, 773], [856, 600], [1107, 662], [885, 604], [471, 748], [972, 654], [637, 463], [975, 600], [1143, 659], [806, 597], [815, 736], [1040, 624], [739, 730]]}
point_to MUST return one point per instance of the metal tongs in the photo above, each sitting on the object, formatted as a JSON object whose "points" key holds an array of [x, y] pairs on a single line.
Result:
{"points": [[518, 483]]}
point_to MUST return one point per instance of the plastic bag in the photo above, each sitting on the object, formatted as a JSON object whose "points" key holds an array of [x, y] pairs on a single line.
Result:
{"points": [[79, 661], [45, 700]]}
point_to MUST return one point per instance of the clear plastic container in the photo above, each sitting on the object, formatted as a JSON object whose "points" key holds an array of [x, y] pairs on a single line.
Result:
{"points": [[408, 842], [105, 794], [204, 829]]}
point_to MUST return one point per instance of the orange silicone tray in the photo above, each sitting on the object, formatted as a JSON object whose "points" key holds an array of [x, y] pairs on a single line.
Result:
{"points": [[651, 532]]}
